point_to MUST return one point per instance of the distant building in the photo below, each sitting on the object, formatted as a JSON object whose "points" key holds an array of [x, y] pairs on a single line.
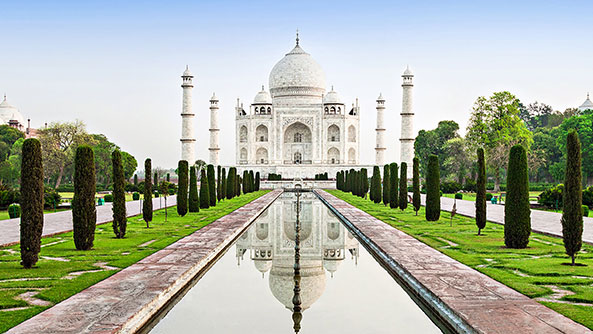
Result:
{"points": [[587, 105], [11, 116]]}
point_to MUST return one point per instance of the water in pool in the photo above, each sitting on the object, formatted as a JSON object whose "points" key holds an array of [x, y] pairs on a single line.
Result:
{"points": [[251, 288]]}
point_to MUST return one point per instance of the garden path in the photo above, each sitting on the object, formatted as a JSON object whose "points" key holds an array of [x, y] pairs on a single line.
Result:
{"points": [[58, 222], [541, 221]]}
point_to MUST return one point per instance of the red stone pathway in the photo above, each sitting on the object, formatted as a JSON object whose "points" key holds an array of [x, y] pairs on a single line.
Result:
{"points": [[485, 304], [123, 302]]}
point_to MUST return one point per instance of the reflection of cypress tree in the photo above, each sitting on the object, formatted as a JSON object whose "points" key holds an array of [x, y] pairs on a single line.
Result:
{"points": [[416, 185], [393, 185], [481, 192], [403, 186], [572, 214], [517, 221], [147, 203], [194, 199], [182, 187], [433, 191], [204, 191], [211, 185], [84, 214], [223, 184], [31, 225], [119, 196], [386, 188]]}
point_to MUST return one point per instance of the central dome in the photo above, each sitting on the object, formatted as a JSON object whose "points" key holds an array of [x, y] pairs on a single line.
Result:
{"points": [[297, 74]]}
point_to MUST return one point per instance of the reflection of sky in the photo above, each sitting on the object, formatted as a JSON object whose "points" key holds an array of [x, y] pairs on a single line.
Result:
{"points": [[359, 298]]}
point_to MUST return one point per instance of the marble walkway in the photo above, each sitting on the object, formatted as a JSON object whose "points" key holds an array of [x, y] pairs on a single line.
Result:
{"points": [[59, 222], [123, 302], [484, 304], [541, 221]]}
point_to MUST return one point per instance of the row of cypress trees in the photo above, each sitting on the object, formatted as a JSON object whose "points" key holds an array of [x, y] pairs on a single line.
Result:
{"points": [[353, 181]]}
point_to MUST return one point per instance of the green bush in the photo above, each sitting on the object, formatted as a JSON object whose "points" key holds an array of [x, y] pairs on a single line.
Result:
{"points": [[51, 198], [458, 196], [14, 210], [433, 196], [585, 211], [470, 185], [552, 198], [182, 170], [31, 226], [136, 196], [450, 187], [204, 191], [488, 197], [66, 188], [517, 213], [156, 194], [84, 214], [108, 198]]}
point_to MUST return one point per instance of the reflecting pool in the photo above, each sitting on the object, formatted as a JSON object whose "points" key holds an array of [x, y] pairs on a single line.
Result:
{"points": [[341, 288]]}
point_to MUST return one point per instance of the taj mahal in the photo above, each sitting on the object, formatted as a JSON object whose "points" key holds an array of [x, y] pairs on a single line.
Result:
{"points": [[297, 128]]}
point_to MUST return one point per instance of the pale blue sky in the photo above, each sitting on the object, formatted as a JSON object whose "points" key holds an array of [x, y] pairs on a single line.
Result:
{"points": [[116, 66]]}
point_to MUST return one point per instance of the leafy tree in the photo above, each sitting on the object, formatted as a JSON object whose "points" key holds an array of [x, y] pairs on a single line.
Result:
{"points": [[211, 185], [182, 172], [481, 191], [386, 185], [393, 186], [31, 226], [457, 162], [583, 125], [403, 186], [129, 163], [536, 115], [84, 214], [147, 203], [193, 199], [572, 215], [433, 142], [416, 185], [433, 195], [119, 196], [10, 135], [224, 183], [517, 222], [495, 125]]}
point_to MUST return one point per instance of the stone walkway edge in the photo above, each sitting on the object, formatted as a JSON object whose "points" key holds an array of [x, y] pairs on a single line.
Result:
{"points": [[465, 299], [126, 301]]}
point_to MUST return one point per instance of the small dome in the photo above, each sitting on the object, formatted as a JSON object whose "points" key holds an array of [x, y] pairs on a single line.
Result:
{"points": [[332, 97], [331, 265], [263, 97], [187, 72], [9, 113], [262, 265], [408, 72], [281, 281], [587, 105]]}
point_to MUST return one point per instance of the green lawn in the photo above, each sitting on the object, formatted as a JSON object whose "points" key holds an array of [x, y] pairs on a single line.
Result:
{"points": [[534, 271], [49, 276]]}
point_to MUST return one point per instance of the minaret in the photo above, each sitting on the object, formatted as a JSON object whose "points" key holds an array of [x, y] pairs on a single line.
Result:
{"points": [[380, 146], [407, 131], [214, 159], [187, 119]]}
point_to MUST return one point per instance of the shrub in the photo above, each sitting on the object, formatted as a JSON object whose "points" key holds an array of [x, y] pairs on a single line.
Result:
{"points": [[458, 196], [182, 171], [572, 212], [552, 197], [517, 222], [433, 198], [193, 198], [156, 194], [585, 211], [274, 177], [119, 196], [14, 210], [403, 186], [31, 226], [470, 185], [51, 198], [386, 185], [108, 198], [136, 196], [481, 195], [488, 197], [211, 185], [393, 184], [136, 179], [66, 188], [204, 191], [147, 203], [450, 187], [84, 214], [416, 184]]}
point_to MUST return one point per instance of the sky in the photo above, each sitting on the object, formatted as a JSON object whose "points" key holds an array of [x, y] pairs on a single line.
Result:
{"points": [[116, 65]]}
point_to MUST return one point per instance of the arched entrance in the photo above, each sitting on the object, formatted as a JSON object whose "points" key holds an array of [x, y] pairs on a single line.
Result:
{"points": [[297, 146]]}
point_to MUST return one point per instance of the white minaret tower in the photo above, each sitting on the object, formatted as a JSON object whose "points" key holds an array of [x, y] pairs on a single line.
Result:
{"points": [[187, 119], [214, 149], [380, 146], [407, 133]]}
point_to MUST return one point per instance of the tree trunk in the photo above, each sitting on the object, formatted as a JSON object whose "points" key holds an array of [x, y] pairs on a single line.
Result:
{"points": [[60, 175], [497, 181], [479, 231]]}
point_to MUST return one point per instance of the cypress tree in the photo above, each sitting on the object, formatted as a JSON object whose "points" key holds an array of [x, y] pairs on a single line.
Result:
{"points": [[376, 185], [403, 186], [155, 183], [365, 182], [338, 180], [481, 192], [193, 198], [168, 177], [517, 221], [416, 184], [211, 185], [238, 183], [31, 202], [182, 187], [433, 184], [346, 181], [351, 184], [84, 214], [572, 214], [393, 186], [119, 196], [204, 191], [356, 180], [251, 181], [218, 183], [257, 181], [231, 187], [147, 203], [244, 182], [223, 184], [386, 188], [136, 180]]}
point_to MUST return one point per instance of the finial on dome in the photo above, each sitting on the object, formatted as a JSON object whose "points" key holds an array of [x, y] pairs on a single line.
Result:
{"points": [[5, 96], [297, 37], [587, 96], [332, 88], [262, 88]]}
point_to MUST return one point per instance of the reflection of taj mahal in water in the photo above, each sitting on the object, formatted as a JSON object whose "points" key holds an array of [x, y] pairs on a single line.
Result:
{"points": [[270, 242]]}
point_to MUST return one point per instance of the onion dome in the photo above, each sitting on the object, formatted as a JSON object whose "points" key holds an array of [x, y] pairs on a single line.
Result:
{"points": [[408, 72], [263, 97], [10, 113], [587, 105], [187, 72], [332, 97]]}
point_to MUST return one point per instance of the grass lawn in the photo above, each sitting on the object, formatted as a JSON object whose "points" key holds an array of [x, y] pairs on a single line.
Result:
{"points": [[535, 271], [58, 276]]}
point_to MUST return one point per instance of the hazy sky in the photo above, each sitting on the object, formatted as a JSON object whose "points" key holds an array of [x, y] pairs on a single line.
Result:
{"points": [[116, 65]]}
